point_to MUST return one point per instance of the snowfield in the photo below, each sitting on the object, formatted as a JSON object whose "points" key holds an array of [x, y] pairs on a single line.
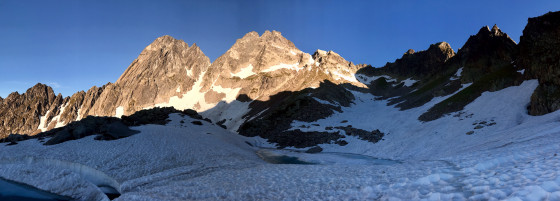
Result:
{"points": [[510, 156]]}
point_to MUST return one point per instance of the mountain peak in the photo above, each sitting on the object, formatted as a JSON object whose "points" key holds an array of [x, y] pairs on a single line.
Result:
{"points": [[495, 29], [409, 52], [494, 32], [40, 88], [252, 34], [272, 33], [166, 39]]}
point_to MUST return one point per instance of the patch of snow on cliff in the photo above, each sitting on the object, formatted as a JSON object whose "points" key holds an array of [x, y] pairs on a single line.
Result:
{"points": [[190, 98], [79, 113], [457, 74], [283, 66], [231, 94], [244, 72], [368, 79], [189, 72], [119, 112], [350, 78], [409, 82], [231, 112], [57, 117], [43, 122]]}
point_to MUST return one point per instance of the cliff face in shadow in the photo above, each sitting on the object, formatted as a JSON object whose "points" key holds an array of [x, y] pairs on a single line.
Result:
{"points": [[539, 54]]}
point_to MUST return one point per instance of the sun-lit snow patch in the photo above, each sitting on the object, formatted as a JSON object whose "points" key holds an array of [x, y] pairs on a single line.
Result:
{"points": [[244, 72], [43, 122], [189, 72], [231, 94], [57, 117], [190, 98], [457, 74], [283, 66], [339, 75], [292, 52], [119, 112], [79, 113], [311, 61], [178, 89]]}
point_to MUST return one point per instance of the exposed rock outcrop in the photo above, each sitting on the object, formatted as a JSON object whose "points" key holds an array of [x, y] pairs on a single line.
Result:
{"points": [[539, 54], [21, 113], [486, 61], [421, 64], [487, 51], [166, 68], [170, 73]]}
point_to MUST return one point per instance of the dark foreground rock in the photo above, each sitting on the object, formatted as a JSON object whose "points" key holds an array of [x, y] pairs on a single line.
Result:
{"points": [[315, 149], [539, 54], [370, 136], [105, 128]]}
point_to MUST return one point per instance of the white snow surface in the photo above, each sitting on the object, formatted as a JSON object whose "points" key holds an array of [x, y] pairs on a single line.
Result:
{"points": [[119, 112], [244, 72], [294, 66], [367, 79], [43, 121], [409, 82], [515, 159], [57, 118], [189, 98], [351, 77], [457, 74]]}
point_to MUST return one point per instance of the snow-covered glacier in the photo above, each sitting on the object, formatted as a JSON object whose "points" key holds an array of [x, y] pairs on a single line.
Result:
{"points": [[516, 158]]}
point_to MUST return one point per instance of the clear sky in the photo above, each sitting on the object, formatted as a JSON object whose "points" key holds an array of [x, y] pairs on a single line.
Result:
{"points": [[73, 45]]}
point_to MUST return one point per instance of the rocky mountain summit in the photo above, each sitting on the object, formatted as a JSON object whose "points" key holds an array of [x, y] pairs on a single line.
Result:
{"points": [[169, 72], [24, 113], [264, 84]]}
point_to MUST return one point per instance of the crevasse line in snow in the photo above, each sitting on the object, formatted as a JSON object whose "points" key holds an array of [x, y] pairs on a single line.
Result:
{"points": [[96, 177]]}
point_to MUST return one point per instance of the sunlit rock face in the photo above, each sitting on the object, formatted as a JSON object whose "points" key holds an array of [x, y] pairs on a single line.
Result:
{"points": [[169, 72]]}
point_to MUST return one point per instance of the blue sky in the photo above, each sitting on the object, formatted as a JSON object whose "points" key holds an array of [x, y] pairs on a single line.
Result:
{"points": [[74, 45]]}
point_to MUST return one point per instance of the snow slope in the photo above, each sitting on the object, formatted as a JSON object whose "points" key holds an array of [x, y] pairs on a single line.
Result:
{"points": [[514, 159]]}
